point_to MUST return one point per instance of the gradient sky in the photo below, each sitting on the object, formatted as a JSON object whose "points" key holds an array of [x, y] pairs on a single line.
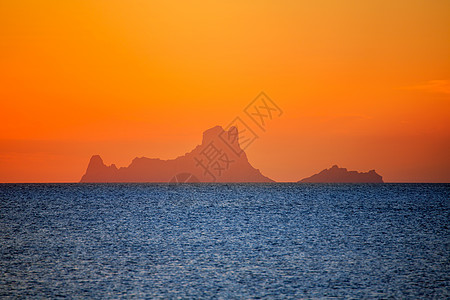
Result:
{"points": [[362, 84]]}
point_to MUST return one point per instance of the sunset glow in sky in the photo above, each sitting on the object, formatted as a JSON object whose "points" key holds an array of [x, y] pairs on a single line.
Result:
{"points": [[362, 84]]}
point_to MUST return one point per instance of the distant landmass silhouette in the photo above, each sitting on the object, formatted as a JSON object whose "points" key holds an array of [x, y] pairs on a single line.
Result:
{"points": [[341, 175], [219, 158]]}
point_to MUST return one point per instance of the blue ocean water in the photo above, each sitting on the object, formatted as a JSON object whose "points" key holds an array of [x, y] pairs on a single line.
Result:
{"points": [[225, 240]]}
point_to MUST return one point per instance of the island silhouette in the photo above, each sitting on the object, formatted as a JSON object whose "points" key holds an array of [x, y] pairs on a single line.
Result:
{"points": [[219, 158], [342, 175]]}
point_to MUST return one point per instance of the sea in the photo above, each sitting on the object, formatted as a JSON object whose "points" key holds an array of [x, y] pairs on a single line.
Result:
{"points": [[225, 241]]}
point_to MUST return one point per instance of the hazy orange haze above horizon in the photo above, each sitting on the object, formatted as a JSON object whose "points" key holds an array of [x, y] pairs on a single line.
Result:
{"points": [[362, 84]]}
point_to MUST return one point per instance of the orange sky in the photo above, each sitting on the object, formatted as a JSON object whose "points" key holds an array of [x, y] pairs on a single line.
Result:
{"points": [[365, 84]]}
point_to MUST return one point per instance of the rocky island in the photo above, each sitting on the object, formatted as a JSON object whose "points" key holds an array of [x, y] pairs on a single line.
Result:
{"points": [[342, 175], [219, 158]]}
